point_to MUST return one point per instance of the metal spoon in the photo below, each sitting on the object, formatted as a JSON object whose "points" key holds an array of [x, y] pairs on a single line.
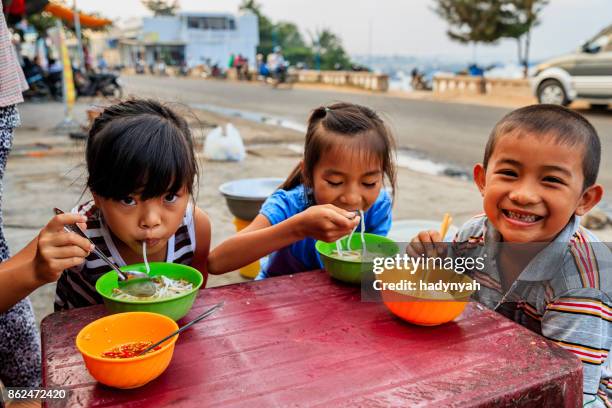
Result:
{"points": [[133, 283], [185, 327]]}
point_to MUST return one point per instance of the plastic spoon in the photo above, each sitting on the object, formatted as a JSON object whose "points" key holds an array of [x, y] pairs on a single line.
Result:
{"points": [[134, 283]]}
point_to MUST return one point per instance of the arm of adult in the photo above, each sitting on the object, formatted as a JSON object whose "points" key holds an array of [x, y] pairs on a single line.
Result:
{"points": [[42, 260]]}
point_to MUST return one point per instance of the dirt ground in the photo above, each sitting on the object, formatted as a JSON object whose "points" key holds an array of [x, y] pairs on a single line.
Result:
{"points": [[46, 170]]}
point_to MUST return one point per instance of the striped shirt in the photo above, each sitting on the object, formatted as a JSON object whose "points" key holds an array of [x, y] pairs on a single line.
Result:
{"points": [[564, 294], [12, 81], [77, 286]]}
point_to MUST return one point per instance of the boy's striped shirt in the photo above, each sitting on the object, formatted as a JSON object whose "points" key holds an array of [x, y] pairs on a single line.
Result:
{"points": [[564, 294], [77, 286]]}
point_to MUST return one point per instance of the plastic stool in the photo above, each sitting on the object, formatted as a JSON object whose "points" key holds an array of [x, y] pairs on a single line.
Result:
{"points": [[251, 270]]}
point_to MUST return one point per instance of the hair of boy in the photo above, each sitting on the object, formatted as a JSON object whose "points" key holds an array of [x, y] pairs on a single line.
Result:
{"points": [[140, 146], [332, 126], [562, 124]]}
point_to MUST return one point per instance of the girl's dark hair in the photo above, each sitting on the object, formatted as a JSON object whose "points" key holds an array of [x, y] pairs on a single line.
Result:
{"points": [[330, 126], [140, 146], [562, 124]]}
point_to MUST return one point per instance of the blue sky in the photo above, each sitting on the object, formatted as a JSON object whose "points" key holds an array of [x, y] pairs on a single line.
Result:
{"points": [[406, 27]]}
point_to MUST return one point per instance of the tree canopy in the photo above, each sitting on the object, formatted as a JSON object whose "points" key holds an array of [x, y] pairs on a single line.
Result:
{"points": [[323, 49], [330, 50], [487, 21], [472, 21], [523, 16], [162, 7]]}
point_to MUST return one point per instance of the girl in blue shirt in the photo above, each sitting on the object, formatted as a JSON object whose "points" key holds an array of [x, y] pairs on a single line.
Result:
{"points": [[348, 153]]}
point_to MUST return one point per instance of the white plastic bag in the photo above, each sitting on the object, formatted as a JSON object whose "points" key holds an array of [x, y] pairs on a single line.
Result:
{"points": [[226, 146]]}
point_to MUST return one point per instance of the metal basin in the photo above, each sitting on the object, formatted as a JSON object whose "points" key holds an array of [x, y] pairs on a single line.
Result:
{"points": [[244, 197]]}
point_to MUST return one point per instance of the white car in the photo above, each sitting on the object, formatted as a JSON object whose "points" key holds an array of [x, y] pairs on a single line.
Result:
{"points": [[585, 74]]}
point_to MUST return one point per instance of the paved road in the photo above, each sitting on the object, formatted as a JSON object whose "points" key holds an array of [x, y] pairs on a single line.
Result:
{"points": [[449, 132]]}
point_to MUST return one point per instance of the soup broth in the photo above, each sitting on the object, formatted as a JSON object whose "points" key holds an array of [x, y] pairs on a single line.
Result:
{"points": [[357, 255], [165, 288]]}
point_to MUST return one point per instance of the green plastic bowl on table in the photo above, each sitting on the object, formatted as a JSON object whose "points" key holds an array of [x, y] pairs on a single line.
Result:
{"points": [[174, 308], [350, 271]]}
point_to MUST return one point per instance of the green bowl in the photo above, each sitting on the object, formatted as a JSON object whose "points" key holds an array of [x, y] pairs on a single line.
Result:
{"points": [[174, 308], [350, 271]]}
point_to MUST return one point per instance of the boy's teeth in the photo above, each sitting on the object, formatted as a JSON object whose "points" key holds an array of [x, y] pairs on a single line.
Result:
{"points": [[522, 217]]}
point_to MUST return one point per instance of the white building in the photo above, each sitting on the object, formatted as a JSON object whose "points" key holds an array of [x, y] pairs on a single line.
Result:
{"points": [[196, 38]]}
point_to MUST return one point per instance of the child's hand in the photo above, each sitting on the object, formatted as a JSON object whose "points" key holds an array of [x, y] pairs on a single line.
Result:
{"points": [[58, 249], [326, 222], [427, 243]]}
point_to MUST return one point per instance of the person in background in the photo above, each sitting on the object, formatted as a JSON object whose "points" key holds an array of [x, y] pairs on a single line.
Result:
{"points": [[54, 78], [262, 69], [276, 61], [102, 64]]}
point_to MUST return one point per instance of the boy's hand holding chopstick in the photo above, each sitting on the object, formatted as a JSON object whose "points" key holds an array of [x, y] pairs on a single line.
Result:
{"points": [[430, 243]]}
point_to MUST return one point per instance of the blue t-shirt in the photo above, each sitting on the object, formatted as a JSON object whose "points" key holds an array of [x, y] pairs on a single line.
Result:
{"points": [[302, 256]]}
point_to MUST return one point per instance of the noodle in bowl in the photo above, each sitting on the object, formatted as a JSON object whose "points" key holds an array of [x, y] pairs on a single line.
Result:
{"points": [[177, 289], [348, 265], [165, 288]]}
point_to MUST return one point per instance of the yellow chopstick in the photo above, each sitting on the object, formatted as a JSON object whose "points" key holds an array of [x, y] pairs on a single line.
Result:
{"points": [[446, 222]]}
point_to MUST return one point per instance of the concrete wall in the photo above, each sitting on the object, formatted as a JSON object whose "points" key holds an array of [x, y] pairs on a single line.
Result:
{"points": [[364, 80], [462, 84]]}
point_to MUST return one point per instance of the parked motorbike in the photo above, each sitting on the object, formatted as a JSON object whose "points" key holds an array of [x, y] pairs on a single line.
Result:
{"points": [[34, 76], [184, 70], [92, 84], [140, 68], [280, 76], [54, 82]]}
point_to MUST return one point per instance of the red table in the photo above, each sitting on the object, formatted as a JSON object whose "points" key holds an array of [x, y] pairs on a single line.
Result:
{"points": [[305, 340]]}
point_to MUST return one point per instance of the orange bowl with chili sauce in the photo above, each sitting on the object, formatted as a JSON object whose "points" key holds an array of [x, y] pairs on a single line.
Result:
{"points": [[108, 332]]}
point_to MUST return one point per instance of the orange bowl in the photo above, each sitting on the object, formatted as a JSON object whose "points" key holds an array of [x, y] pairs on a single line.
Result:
{"points": [[427, 308], [426, 313], [114, 330]]}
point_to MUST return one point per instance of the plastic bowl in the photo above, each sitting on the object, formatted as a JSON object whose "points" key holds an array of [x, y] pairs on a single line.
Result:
{"points": [[111, 331], [351, 271], [174, 308], [429, 308], [244, 197]]}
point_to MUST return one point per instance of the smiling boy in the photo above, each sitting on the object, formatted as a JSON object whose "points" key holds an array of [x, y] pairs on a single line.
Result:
{"points": [[544, 270]]}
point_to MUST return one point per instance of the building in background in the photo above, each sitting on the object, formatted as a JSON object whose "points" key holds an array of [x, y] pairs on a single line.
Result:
{"points": [[191, 38]]}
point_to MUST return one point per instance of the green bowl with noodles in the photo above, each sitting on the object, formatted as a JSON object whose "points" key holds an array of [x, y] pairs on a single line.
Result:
{"points": [[351, 267], [175, 305]]}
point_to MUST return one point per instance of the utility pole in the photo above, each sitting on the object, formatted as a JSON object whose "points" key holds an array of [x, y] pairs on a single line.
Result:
{"points": [[77, 29], [370, 30], [318, 51]]}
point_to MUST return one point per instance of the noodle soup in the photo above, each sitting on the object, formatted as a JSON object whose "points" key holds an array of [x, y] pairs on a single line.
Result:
{"points": [[357, 255], [175, 306], [165, 288], [351, 262]]}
